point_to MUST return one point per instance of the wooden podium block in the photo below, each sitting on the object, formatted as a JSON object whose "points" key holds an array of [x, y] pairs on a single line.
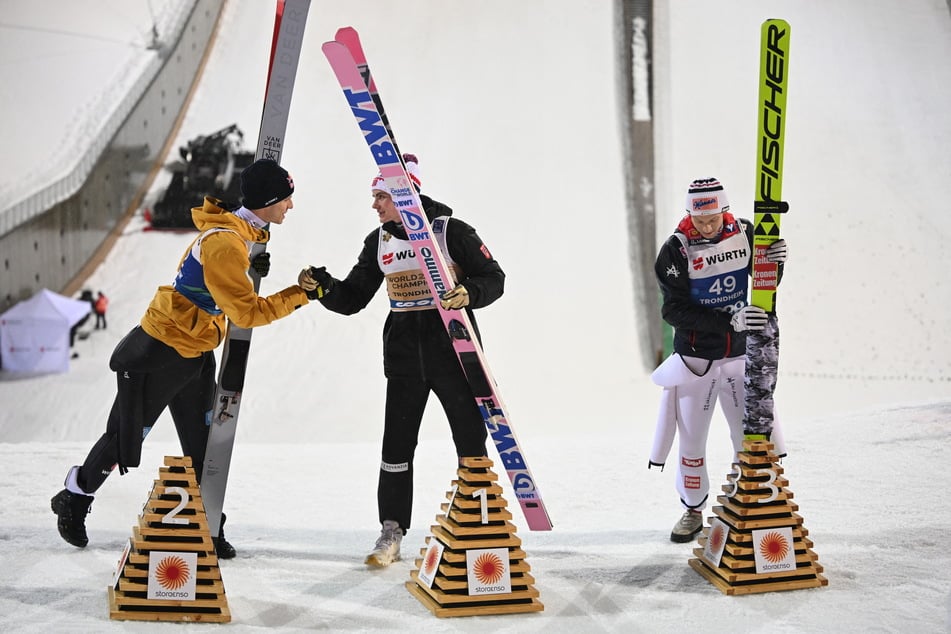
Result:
{"points": [[474, 523], [173, 523], [756, 499]]}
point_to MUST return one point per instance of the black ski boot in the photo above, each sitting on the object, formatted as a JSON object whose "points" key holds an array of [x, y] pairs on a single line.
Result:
{"points": [[71, 510], [223, 549]]}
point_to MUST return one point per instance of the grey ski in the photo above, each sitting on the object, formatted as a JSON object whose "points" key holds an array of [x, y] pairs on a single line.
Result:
{"points": [[289, 21]]}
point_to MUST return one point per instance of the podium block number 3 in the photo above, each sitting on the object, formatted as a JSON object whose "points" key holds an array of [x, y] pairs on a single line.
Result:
{"points": [[734, 476]]}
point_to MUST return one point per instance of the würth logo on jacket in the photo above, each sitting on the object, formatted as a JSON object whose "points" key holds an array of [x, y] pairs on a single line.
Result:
{"points": [[399, 255], [727, 256]]}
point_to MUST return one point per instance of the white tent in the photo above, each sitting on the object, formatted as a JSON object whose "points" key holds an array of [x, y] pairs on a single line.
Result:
{"points": [[34, 334]]}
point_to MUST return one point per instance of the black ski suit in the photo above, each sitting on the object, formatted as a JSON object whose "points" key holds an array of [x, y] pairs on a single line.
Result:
{"points": [[418, 356]]}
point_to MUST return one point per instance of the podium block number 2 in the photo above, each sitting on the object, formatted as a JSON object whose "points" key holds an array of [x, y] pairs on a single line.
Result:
{"points": [[170, 517]]}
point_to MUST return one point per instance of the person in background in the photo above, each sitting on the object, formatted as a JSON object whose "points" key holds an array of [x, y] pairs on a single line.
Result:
{"points": [[85, 296], [167, 360], [100, 307], [418, 357], [703, 270]]}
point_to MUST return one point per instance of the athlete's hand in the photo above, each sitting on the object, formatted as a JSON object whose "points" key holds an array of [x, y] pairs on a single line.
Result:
{"points": [[262, 264], [316, 282], [777, 252], [749, 318], [456, 298]]}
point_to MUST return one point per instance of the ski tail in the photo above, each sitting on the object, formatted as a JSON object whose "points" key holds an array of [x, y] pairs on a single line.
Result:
{"points": [[349, 37], [437, 273]]}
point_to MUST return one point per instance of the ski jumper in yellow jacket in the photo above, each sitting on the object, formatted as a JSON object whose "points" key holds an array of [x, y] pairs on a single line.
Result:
{"points": [[167, 361], [193, 321]]}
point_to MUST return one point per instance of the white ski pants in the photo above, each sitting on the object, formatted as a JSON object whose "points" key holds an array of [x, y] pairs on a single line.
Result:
{"points": [[695, 402]]}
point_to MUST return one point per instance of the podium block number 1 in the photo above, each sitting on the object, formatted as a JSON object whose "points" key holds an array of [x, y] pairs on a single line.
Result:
{"points": [[484, 506]]}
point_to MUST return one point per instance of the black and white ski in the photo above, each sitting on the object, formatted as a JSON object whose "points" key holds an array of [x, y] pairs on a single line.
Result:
{"points": [[357, 87], [289, 21]]}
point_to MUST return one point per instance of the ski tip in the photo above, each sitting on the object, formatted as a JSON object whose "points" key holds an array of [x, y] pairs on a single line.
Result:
{"points": [[333, 47], [345, 31], [778, 23]]}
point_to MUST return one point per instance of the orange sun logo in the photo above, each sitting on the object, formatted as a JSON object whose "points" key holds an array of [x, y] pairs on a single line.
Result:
{"points": [[488, 568], [716, 537], [773, 547], [172, 573], [430, 560]]}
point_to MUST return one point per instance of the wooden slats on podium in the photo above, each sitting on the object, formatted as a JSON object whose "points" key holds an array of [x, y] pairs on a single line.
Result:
{"points": [[459, 528], [128, 598], [758, 500]]}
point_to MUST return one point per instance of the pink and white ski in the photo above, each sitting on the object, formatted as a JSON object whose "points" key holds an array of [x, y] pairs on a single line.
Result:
{"points": [[363, 99]]}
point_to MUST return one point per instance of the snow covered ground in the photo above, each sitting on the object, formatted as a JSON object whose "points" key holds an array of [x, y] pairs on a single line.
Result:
{"points": [[503, 123]]}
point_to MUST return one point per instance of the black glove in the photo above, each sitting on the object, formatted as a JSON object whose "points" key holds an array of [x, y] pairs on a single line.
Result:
{"points": [[262, 263], [323, 283]]}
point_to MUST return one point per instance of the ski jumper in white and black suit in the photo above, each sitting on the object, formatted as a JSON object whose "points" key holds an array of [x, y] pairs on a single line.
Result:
{"points": [[417, 353], [703, 282]]}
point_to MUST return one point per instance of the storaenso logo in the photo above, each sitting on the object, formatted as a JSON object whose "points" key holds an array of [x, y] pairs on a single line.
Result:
{"points": [[773, 103]]}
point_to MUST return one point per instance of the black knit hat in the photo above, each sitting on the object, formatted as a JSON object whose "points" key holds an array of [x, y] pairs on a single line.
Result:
{"points": [[264, 183]]}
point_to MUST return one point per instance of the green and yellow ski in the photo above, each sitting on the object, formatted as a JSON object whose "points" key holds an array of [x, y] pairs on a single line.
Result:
{"points": [[762, 347]]}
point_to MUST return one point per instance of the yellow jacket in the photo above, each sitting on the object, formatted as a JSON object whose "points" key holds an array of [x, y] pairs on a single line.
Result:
{"points": [[174, 320]]}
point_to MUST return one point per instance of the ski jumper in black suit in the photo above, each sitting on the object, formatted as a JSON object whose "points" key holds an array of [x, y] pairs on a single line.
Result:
{"points": [[418, 357]]}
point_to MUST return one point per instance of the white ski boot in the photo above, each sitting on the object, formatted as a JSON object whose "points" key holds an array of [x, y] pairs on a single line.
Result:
{"points": [[387, 549]]}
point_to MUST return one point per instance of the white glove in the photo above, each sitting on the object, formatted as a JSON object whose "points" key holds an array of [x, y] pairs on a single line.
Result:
{"points": [[749, 318], [456, 298], [777, 252]]}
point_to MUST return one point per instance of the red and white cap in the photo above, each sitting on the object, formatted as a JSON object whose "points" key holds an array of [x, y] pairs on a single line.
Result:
{"points": [[705, 197], [412, 169]]}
